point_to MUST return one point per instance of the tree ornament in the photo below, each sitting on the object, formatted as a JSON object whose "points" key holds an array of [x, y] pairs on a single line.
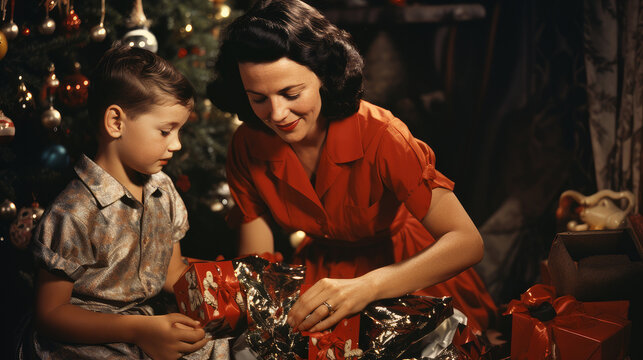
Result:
{"points": [[7, 210], [141, 38], [72, 91], [52, 81], [183, 183], [221, 10], [25, 30], [137, 18], [48, 25], [51, 118], [50, 4], [25, 98], [98, 32], [7, 129], [72, 21], [21, 228], [4, 45], [9, 28], [55, 157]]}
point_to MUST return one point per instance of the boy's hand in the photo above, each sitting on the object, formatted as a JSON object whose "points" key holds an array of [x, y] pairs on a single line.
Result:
{"points": [[169, 336]]}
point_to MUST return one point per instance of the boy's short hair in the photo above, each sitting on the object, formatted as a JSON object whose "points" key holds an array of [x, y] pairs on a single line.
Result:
{"points": [[134, 79], [273, 29]]}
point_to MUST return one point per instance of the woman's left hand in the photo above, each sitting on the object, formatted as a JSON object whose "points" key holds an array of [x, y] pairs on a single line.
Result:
{"points": [[329, 301]]}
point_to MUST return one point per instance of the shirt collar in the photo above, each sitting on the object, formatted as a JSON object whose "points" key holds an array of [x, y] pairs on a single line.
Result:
{"points": [[105, 188]]}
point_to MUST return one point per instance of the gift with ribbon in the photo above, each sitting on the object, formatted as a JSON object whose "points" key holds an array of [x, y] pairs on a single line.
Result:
{"points": [[340, 343], [208, 291], [546, 327]]}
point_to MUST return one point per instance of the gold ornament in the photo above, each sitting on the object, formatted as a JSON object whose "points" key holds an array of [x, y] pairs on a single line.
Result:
{"points": [[7, 210], [99, 32], [4, 45], [25, 98]]}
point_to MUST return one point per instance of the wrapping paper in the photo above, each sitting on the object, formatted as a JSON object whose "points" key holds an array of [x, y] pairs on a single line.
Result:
{"points": [[271, 290], [546, 327], [208, 291], [385, 329], [391, 327]]}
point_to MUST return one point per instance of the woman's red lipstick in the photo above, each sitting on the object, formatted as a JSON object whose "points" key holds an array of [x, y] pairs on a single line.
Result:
{"points": [[289, 127]]}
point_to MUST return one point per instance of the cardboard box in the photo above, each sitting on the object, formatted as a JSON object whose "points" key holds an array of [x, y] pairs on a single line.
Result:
{"points": [[597, 265]]}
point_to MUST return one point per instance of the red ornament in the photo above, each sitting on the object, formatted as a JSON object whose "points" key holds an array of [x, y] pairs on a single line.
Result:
{"points": [[72, 91], [183, 183], [197, 51], [182, 53], [72, 22], [25, 31]]}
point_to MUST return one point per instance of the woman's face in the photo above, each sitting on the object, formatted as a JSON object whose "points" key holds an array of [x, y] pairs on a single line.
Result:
{"points": [[285, 96]]}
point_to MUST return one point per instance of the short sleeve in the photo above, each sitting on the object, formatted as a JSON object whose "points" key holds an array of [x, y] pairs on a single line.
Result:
{"points": [[248, 203], [60, 243], [180, 224], [407, 166]]}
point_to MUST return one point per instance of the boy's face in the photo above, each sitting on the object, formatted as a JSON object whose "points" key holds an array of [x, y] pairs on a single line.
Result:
{"points": [[149, 141]]}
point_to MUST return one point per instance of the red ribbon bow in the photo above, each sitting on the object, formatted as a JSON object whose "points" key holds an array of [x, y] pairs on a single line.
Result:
{"points": [[569, 313], [228, 287], [330, 341]]}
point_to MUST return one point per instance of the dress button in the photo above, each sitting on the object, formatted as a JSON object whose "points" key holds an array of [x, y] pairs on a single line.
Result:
{"points": [[326, 236]]}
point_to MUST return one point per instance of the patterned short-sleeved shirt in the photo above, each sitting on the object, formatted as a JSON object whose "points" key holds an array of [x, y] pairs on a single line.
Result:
{"points": [[115, 249]]}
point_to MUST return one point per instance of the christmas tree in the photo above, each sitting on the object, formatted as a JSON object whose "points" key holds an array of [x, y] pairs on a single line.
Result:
{"points": [[47, 50]]}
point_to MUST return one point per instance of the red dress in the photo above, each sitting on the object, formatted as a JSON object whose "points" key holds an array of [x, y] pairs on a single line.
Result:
{"points": [[374, 180]]}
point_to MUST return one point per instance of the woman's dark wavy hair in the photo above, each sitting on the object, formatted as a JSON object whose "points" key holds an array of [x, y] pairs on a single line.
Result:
{"points": [[273, 29], [134, 79]]}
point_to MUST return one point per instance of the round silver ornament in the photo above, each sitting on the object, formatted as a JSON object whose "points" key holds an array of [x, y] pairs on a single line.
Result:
{"points": [[51, 118], [47, 27], [7, 210], [10, 29], [98, 33], [141, 38]]}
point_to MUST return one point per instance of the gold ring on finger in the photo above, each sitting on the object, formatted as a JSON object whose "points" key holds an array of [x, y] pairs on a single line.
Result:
{"points": [[330, 308]]}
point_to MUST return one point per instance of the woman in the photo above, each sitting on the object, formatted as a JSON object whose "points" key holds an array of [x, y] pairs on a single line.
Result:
{"points": [[313, 156]]}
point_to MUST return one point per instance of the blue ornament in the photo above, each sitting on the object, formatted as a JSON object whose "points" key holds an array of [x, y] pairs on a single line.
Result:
{"points": [[55, 157]]}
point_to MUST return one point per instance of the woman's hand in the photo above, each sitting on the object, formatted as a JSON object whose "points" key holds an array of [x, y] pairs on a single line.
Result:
{"points": [[344, 297], [169, 336]]}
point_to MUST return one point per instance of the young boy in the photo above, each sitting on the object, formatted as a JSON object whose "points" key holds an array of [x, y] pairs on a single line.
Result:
{"points": [[110, 240]]}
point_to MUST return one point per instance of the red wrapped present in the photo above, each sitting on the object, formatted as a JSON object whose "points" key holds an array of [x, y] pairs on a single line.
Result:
{"points": [[208, 291], [342, 342], [546, 327]]}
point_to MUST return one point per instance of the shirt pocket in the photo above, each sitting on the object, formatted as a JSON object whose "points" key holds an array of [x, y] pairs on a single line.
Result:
{"points": [[360, 221]]}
